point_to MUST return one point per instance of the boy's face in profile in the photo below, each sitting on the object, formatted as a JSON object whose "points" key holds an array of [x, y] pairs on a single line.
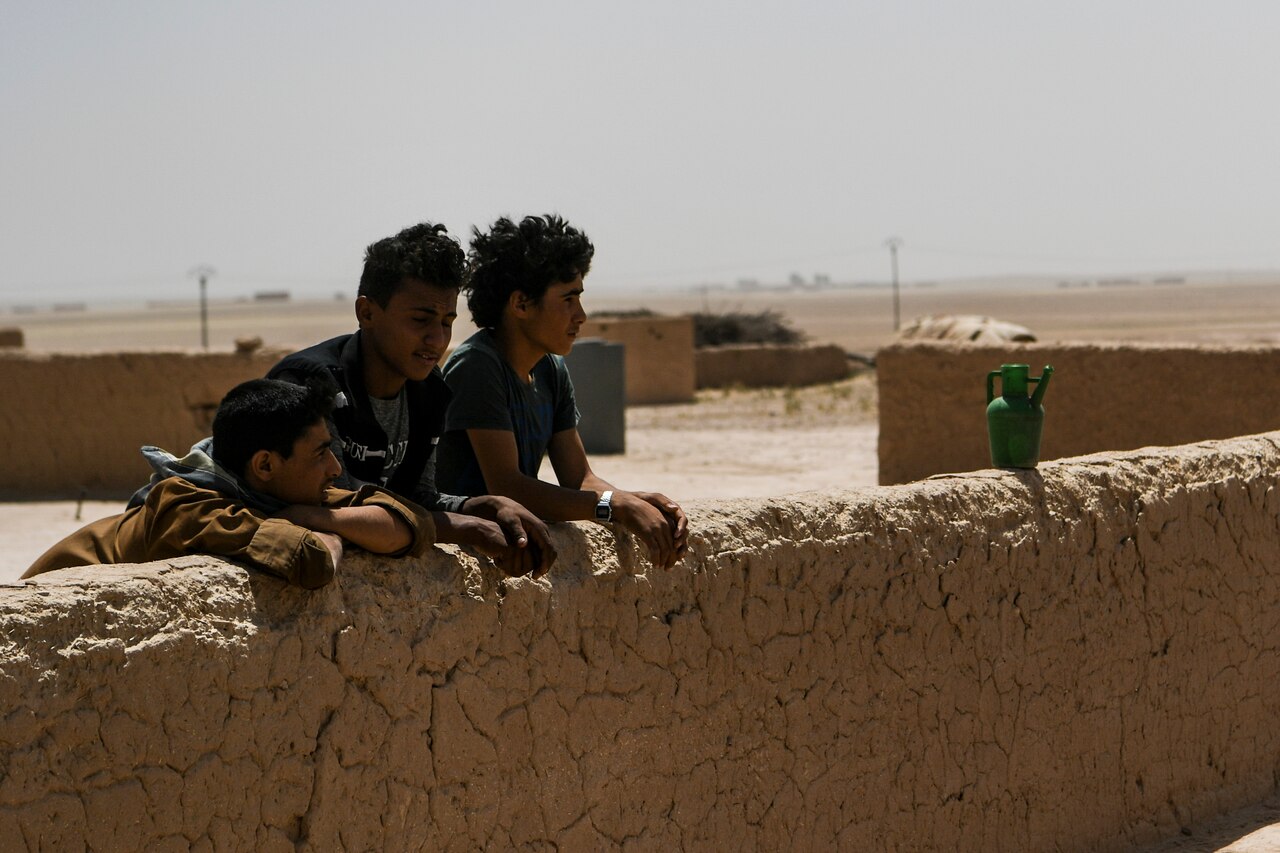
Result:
{"points": [[309, 471], [408, 337], [552, 323]]}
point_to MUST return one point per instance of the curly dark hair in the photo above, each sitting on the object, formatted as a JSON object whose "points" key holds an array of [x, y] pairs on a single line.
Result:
{"points": [[529, 257], [424, 251], [266, 414]]}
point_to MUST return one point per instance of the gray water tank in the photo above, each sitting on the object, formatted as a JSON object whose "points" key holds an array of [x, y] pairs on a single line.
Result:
{"points": [[598, 370]]}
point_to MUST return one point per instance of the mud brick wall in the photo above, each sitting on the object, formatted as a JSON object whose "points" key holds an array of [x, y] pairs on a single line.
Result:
{"points": [[933, 399], [770, 365], [1081, 657], [659, 355], [72, 424]]}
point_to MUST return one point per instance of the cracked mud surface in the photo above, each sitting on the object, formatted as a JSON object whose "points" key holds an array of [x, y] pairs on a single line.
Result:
{"points": [[1082, 657]]}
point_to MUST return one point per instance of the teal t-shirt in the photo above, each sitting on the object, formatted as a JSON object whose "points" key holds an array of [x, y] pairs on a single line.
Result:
{"points": [[487, 394]]}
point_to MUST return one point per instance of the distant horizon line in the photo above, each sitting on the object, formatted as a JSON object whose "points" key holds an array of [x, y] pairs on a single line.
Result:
{"points": [[742, 285]]}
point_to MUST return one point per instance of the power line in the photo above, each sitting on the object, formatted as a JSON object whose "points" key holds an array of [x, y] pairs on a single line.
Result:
{"points": [[203, 272], [893, 243]]}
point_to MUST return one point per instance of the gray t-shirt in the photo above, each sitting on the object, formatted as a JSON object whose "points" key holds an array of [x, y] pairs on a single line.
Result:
{"points": [[393, 416], [487, 394]]}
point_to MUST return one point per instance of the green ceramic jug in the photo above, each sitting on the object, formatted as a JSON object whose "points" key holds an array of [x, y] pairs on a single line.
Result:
{"points": [[1014, 420]]}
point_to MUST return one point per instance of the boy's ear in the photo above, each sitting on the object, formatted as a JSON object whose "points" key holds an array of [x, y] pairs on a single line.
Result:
{"points": [[519, 303], [261, 466], [364, 310]]}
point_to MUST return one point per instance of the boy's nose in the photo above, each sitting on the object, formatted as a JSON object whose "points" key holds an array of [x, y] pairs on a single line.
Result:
{"points": [[334, 468], [437, 336]]}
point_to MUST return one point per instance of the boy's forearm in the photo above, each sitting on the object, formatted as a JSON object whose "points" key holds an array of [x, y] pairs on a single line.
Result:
{"points": [[461, 529], [372, 528], [592, 483], [551, 502]]}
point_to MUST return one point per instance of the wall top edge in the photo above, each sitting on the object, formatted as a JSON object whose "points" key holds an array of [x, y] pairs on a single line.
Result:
{"points": [[991, 499]]}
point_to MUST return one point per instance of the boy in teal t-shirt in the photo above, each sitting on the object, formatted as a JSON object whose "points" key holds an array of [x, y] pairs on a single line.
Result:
{"points": [[513, 397]]}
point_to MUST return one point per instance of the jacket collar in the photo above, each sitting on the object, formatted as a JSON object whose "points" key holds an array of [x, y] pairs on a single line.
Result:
{"points": [[200, 469]]}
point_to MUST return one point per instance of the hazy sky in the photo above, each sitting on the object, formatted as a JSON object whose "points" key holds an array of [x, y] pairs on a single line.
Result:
{"points": [[693, 141]]}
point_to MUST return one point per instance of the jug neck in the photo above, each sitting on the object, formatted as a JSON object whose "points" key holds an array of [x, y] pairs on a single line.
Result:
{"points": [[1013, 379]]}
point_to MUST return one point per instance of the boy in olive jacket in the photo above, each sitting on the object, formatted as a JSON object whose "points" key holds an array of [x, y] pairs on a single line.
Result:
{"points": [[258, 491]]}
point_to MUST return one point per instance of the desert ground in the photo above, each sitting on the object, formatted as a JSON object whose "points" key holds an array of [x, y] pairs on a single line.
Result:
{"points": [[728, 443]]}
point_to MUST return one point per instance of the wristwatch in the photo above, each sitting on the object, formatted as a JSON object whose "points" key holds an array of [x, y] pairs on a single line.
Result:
{"points": [[604, 507]]}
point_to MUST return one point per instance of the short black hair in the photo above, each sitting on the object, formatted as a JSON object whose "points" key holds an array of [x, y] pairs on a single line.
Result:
{"points": [[424, 251], [529, 257], [266, 414]]}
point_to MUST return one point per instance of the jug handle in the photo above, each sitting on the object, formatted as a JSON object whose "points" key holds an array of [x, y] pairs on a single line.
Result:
{"points": [[991, 387]]}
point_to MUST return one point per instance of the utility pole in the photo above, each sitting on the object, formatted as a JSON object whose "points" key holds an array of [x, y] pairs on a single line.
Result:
{"points": [[203, 272], [893, 243]]}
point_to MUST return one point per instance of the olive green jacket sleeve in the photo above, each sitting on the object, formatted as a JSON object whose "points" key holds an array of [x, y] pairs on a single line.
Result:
{"points": [[417, 518]]}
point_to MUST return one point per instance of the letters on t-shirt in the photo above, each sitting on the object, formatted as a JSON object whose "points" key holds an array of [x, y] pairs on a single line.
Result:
{"points": [[392, 456]]}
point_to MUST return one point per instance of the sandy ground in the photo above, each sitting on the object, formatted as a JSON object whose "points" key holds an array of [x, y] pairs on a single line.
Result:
{"points": [[726, 444]]}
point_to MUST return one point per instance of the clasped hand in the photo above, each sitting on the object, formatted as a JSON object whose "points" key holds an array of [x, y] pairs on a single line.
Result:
{"points": [[657, 521]]}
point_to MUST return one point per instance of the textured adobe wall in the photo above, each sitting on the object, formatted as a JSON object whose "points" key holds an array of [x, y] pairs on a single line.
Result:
{"points": [[1079, 658], [73, 423], [659, 355], [933, 399], [770, 365]]}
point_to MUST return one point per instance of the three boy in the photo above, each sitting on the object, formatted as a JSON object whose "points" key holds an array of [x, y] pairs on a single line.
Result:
{"points": [[374, 407]]}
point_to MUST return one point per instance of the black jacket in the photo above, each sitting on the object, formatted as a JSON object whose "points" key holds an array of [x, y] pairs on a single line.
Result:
{"points": [[338, 360]]}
